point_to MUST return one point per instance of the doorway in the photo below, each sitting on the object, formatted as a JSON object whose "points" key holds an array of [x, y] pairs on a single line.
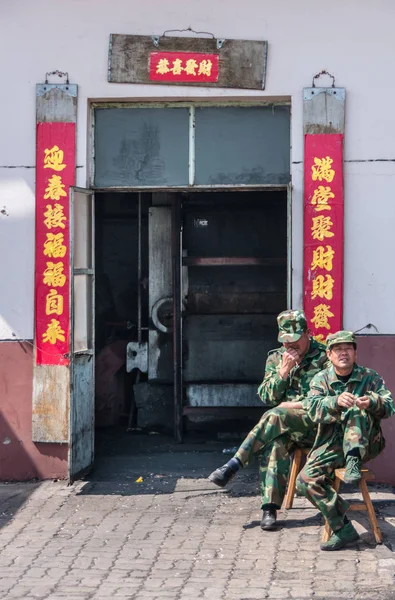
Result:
{"points": [[192, 257], [232, 257]]}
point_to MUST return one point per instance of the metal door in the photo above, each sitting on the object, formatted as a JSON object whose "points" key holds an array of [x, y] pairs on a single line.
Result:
{"points": [[82, 392]]}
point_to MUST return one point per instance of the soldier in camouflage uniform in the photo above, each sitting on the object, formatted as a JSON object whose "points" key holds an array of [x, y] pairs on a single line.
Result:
{"points": [[347, 402], [281, 430]]}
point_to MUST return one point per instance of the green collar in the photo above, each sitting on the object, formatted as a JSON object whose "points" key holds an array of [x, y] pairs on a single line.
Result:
{"points": [[356, 375]]}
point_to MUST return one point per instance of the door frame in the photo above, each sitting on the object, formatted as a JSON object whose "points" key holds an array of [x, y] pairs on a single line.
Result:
{"points": [[177, 275], [75, 470], [176, 220]]}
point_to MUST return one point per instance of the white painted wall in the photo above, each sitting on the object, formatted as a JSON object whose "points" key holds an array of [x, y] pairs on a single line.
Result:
{"points": [[354, 39]]}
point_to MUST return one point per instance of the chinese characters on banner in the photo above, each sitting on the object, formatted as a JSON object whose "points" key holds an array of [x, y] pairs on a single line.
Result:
{"points": [[183, 67], [55, 173], [323, 233]]}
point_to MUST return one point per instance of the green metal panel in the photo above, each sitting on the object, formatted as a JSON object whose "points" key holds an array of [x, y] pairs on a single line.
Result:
{"points": [[242, 146], [137, 147], [163, 147]]}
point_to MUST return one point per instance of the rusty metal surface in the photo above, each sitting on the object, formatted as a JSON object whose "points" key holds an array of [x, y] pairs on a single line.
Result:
{"points": [[206, 302], [227, 348], [239, 412], [160, 286], [137, 356], [176, 244], [50, 418], [219, 395], [233, 261]]}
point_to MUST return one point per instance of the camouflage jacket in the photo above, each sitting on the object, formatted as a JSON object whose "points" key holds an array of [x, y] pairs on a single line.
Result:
{"points": [[321, 402], [325, 388], [274, 389]]}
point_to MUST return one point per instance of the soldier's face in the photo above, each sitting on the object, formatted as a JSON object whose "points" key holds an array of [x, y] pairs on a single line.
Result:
{"points": [[301, 346], [342, 356]]}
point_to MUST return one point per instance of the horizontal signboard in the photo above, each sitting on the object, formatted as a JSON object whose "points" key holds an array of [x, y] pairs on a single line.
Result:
{"points": [[187, 61]]}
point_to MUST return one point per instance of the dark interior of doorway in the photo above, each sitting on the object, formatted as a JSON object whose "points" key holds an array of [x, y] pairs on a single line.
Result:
{"points": [[121, 307], [235, 262], [235, 246]]}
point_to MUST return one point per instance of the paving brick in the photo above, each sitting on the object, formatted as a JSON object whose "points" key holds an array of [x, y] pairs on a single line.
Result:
{"points": [[182, 546]]}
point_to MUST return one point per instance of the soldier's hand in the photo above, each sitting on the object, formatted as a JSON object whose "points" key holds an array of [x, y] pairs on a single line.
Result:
{"points": [[289, 360], [346, 400], [363, 402]]}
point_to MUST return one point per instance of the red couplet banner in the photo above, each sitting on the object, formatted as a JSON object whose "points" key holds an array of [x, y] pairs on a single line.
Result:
{"points": [[55, 173], [183, 67], [323, 233]]}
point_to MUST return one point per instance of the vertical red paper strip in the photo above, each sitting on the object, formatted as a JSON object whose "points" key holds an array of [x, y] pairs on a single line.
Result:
{"points": [[56, 137], [323, 233]]}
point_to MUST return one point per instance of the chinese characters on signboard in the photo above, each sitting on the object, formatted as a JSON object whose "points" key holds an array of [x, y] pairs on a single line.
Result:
{"points": [[183, 67], [323, 233], [55, 173], [201, 61]]}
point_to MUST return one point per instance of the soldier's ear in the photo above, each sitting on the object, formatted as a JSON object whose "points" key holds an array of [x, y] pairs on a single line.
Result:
{"points": [[328, 353]]}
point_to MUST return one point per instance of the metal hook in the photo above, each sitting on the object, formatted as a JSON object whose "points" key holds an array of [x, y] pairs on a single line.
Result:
{"points": [[59, 74], [323, 73], [368, 326], [156, 38], [188, 29]]}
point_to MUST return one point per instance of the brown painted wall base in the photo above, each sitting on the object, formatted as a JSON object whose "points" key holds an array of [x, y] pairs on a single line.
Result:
{"points": [[20, 458], [378, 352]]}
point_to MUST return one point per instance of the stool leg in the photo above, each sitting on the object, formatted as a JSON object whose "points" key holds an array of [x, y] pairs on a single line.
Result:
{"points": [[289, 497], [371, 513], [327, 530]]}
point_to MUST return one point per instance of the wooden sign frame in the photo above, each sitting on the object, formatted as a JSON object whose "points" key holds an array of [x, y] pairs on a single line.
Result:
{"points": [[241, 63]]}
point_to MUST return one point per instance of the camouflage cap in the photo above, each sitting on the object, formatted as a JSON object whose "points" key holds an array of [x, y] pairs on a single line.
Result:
{"points": [[291, 325], [341, 337]]}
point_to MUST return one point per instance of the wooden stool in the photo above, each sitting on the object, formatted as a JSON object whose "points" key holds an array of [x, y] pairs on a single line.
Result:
{"points": [[296, 464], [366, 505]]}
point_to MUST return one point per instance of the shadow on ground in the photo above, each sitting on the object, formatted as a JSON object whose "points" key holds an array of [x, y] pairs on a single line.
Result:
{"points": [[12, 497], [129, 464], [163, 465]]}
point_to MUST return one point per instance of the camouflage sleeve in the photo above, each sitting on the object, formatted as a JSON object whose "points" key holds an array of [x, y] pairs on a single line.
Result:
{"points": [[273, 388], [381, 402], [320, 406]]}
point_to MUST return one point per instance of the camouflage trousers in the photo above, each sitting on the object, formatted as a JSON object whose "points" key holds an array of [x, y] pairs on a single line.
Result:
{"points": [[279, 432], [329, 452]]}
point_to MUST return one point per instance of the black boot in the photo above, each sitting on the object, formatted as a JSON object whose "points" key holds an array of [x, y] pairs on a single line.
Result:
{"points": [[269, 518], [222, 475]]}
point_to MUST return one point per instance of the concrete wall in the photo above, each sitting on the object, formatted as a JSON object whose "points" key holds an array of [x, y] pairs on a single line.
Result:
{"points": [[353, 40]]}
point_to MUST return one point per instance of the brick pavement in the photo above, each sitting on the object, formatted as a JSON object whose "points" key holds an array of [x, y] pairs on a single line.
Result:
{"points": [[177, 536]]}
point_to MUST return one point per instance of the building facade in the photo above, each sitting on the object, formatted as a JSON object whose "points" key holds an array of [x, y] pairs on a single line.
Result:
{"points": [[255, 211]]}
